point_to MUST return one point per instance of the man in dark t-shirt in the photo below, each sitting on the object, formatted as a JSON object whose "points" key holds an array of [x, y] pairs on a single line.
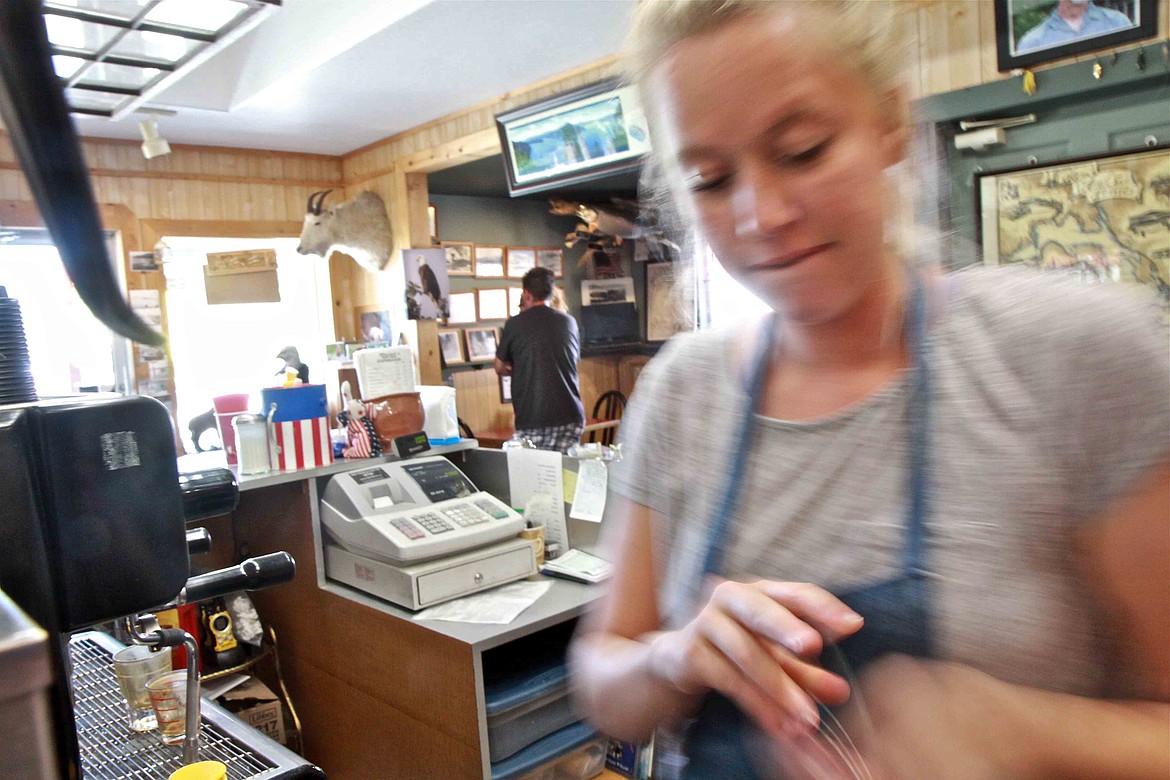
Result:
{"points": [[539, 350]]}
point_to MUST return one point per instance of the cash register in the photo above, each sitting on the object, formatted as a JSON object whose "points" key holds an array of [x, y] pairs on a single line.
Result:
{"points": [[418, 533]]}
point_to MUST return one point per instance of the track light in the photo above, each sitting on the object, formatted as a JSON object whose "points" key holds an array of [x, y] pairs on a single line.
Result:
{"points": [[153, 145]]}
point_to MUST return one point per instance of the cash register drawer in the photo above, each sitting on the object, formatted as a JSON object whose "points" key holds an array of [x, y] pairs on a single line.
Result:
{"points": [[494, 568]]}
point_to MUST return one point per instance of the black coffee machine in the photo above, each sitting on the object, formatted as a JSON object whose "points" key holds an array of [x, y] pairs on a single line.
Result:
{"points": [[93, 528]]}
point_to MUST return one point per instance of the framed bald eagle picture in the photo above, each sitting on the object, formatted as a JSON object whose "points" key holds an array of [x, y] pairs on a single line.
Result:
{"points": [[427, 285]]}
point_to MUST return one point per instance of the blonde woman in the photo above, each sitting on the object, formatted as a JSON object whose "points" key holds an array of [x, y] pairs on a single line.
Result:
{"points": [[953, 487]]}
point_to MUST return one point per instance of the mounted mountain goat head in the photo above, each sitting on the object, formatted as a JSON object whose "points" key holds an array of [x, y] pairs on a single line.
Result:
{"points": [[360, 228]]}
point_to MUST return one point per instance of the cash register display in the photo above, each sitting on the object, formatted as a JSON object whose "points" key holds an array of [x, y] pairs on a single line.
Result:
{"points": [[439, 481], [410, 512]]}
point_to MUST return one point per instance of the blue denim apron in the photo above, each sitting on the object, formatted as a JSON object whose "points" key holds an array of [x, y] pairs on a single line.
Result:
{"points": [[896, 611]]}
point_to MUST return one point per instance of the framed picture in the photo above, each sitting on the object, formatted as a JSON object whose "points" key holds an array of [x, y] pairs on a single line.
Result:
{"points": [[506, 389], [461, 307], [1029, 32], [665, 311], [451, 346], [1101, 219], [493, 303], [373, 324], [481, 344], [460, 258], [489, 261], [514, 294], [143, 261], [427, 286], [335, 351], [552, 258], [433, 222], [520, 261], [597, 291]]}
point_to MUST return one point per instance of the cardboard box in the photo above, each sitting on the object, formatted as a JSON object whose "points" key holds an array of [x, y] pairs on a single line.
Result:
{"points": [[254, 704]]}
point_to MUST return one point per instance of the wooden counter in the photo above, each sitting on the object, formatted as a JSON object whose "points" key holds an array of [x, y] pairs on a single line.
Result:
{"points": [[378, 693]]}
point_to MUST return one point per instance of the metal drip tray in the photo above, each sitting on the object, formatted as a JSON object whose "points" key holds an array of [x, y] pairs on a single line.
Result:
{"points": [[109, 750]]}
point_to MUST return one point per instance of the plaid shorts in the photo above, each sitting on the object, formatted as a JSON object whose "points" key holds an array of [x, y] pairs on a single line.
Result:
{"points": [[557, 437]]}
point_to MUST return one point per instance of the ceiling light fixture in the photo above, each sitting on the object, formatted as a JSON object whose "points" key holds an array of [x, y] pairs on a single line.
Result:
{"points": [[112, 57], [153, 145]]}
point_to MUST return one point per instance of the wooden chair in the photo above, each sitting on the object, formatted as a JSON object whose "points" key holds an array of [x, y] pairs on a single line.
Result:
{"points": [[609, 406]]}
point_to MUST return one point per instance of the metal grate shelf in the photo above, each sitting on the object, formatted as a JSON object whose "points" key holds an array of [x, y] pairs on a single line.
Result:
{"points": [[110, 751]]}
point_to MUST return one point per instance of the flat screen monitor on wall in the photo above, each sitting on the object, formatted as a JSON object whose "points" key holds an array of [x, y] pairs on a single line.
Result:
{"points": [[610, 323], [595, 131]]}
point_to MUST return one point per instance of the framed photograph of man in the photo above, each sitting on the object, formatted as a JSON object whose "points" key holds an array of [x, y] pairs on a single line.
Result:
{"points": [[481, 344], [451, 346], [1030, 32], [552, 258], [521, 260], [460, 258], [489, 261]]}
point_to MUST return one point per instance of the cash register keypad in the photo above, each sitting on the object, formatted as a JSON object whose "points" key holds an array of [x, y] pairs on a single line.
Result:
{"points": [[432, 522], [466, 515], [462, 515]]}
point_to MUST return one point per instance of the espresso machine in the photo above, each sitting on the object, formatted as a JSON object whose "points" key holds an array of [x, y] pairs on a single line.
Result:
{"points": [[93, 529]]}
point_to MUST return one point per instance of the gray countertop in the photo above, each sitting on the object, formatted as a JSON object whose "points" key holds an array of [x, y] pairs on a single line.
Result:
{"points": [[216, 459]]}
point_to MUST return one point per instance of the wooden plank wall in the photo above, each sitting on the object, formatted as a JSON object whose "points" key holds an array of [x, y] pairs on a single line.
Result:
{"points": [[193, 182]]}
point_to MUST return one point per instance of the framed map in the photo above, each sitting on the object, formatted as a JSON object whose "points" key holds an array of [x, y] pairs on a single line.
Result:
{"points": [[1104, 219]]}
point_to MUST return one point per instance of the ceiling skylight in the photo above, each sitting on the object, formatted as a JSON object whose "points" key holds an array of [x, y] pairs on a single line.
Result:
{"points": [[113, 55]]}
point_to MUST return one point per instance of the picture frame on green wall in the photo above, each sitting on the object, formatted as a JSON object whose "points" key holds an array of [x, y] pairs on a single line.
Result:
{"points": [[1031, 32]]}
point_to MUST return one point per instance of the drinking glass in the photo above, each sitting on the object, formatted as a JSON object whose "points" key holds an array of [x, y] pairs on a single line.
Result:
{"points": [[135, 666], [168, 697]]}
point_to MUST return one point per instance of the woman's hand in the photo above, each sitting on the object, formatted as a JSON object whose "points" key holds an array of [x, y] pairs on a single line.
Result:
{"points": [[911, 720], [756, 643]]}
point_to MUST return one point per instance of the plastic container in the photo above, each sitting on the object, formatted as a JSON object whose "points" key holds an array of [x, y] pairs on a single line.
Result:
{"points": [[201, 770], [584, 762], [251, 433], [300, 402]]}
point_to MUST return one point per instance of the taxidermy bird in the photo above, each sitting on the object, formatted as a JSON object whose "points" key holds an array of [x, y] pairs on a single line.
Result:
{"points": [[430, 284], [606, 226], [293, 364]]}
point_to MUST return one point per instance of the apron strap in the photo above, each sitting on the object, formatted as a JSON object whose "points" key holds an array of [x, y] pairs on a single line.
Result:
{"points": [[718, 532]]}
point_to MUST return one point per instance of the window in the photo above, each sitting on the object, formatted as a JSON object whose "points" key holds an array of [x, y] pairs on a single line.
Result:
{"points": [[232, 348], [69, 350], [721, 299]]}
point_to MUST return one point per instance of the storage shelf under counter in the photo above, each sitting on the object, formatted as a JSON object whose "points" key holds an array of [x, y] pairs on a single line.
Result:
{"points": [[373, 686]]}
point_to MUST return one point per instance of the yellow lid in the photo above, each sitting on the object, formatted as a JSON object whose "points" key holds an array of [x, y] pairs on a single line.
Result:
{"points": [[201, 770]]}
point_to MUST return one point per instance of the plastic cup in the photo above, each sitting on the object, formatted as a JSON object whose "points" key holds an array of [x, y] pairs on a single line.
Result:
{"points": [[226, 408], [135, 666], [168, 697]]}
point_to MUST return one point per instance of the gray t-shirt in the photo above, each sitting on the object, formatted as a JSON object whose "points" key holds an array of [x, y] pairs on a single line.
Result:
{"points": [[1050, 399], [544, 347]]}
